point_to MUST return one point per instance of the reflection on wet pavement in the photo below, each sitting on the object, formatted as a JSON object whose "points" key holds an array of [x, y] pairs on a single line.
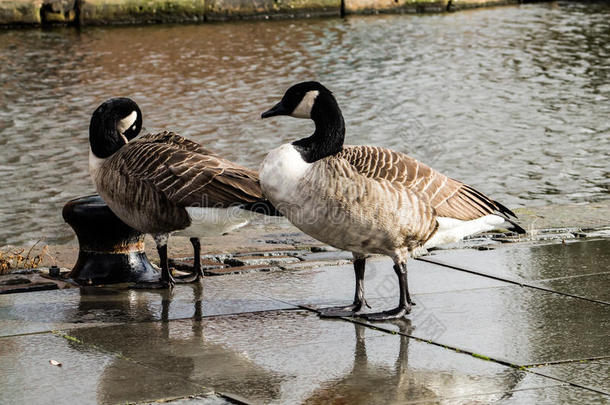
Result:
{"points": [[470, 339], [572, 268], [538, 262], [516, 324], [27, 377]]}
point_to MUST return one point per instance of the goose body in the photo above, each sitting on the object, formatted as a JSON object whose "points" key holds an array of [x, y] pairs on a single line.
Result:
{"points": [[374, 200], [367, 199], [163, 183]]}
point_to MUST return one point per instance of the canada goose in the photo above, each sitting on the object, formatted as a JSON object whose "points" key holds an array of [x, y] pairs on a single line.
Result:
{"points": [[161, 183], [367, 199]]}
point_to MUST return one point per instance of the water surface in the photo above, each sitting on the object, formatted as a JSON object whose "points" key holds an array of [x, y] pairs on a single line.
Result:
{"points": [[513, 100]]}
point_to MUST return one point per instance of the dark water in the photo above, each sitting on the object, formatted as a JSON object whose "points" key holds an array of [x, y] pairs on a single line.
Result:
{"points": [[513, 100]]}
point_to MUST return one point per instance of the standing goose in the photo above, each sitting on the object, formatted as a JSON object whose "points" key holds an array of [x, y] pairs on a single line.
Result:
{"points": [[367, 199], [161, 183]]}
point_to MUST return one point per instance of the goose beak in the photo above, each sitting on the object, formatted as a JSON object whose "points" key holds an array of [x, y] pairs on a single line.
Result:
{"points": [[277, 109]]}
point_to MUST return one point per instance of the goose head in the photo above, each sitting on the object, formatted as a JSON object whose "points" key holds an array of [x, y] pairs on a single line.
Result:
{"points": [[314, 101], [113, 124], [303, 100]]}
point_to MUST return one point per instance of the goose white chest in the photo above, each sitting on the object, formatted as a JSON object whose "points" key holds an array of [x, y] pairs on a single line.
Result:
{"points": [[281, 172], [94, 166]]}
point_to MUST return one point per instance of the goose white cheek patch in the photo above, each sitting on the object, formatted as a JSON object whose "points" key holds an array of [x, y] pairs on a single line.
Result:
{"points": [[126, 122], [303, 110]]}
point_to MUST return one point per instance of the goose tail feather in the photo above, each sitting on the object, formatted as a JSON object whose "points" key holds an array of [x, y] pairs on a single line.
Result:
{"points": [[515, 226], [507, 213]]}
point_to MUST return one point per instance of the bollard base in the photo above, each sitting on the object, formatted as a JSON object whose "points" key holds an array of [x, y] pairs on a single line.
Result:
{"points": [[110, 251], [109, 268]]}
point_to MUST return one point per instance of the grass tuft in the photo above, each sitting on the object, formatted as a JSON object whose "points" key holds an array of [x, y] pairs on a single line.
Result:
{"points": [[12, 259]]}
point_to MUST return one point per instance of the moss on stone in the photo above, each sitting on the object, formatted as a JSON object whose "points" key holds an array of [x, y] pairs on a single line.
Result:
{"points": [[232, 9], [374, 6], [480, 356], [59, 17], [140, 11], [67, 337], [20, 12]]}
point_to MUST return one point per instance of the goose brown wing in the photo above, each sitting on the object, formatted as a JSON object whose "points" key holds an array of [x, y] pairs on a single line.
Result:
{"points": [[177, 141], [186, 173], [449, 197]]}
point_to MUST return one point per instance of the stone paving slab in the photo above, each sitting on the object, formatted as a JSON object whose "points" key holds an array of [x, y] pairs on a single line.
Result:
{"points": [[519, 325], [14, 327], [534, 262], [539, 396], [62, 309], [592, 215], [86, 376], [595, 286], [593, 373], [295, 357]]}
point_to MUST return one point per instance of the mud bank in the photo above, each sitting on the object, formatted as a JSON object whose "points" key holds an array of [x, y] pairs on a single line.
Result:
{"points": [[102, 12]]}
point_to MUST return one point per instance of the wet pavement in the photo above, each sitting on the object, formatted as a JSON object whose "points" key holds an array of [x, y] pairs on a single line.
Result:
{"points": [[520, 323]]}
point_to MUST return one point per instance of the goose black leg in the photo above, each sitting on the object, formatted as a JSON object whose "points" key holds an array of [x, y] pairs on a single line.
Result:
{"points": [[197, 258], [359, 301], [166, 277], [197, 274], [404, 304]]}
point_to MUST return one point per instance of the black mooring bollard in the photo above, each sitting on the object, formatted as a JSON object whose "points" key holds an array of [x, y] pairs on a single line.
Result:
{"points": [[110, 251]]}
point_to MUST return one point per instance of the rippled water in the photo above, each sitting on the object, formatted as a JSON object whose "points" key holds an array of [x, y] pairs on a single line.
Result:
{"points": [[513, 100]]}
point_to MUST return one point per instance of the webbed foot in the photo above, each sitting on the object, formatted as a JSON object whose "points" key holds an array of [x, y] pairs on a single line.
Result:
{"points": [[189, 278], [395, 313], [338, 312]]}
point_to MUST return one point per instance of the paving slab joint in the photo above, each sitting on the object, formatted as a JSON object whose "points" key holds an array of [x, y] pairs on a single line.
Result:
{"points": [[507, 280]]}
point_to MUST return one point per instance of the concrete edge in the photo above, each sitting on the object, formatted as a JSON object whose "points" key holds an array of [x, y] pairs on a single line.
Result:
{"points": [[33, 13]]}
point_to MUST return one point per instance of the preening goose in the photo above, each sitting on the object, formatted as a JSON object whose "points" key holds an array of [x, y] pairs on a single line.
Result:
{"points": [[162, 183], [367, 199]]}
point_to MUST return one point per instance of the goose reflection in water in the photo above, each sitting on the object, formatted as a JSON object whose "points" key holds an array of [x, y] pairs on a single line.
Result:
{"points": [[174, 349], [370, 383]]}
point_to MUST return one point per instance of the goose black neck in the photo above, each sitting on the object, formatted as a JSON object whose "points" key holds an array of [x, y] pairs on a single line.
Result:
{"points": [[327, 139], [103, 138]]}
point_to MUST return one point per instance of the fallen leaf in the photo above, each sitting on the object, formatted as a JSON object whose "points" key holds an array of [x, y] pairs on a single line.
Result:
{"points": [[55, 363]]}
